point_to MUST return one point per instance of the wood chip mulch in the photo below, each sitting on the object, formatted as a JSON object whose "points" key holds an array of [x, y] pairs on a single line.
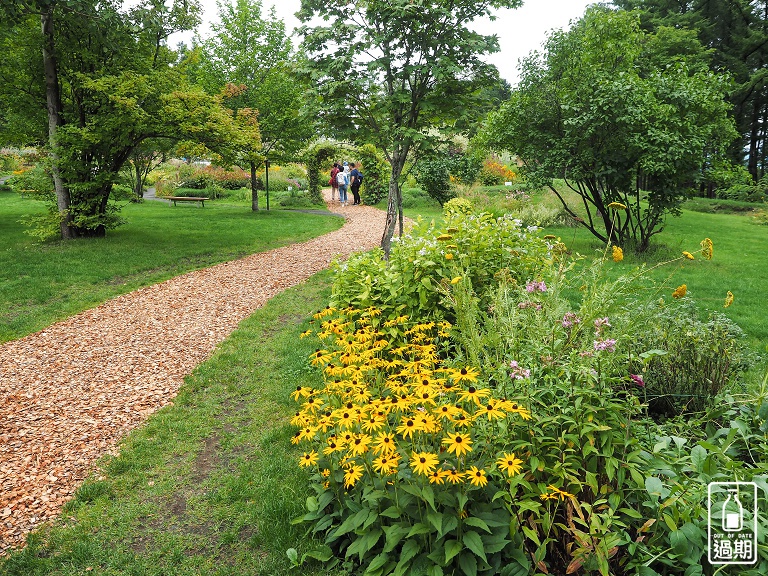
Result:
{"points": [[71, 392]]}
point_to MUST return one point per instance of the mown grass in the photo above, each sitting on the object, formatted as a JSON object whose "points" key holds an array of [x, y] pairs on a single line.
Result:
{"points": [[43, 283], [208, 486]]}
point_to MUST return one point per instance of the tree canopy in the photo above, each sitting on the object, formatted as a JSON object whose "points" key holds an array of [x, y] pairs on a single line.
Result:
{"points": [[91, 82], [394, 72], [626, 118]]}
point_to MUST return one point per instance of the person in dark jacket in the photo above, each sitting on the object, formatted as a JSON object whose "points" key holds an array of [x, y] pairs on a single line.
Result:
{"points": [[355, 179]]}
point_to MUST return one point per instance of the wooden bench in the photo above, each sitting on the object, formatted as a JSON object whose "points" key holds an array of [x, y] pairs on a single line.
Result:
{"points": [[199, 199]]}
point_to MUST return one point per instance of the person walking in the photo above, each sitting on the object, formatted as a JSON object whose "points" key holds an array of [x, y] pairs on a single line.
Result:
{"points": [[342, 179], [356, 178], [334, 182]]}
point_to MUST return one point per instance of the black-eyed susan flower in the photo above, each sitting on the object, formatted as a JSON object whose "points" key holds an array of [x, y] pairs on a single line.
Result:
{"points": [[728, 299], [308, 459], [680, 291], [423, 462], [437, 477], [407, 427], [445, 411], [386, 464], [476, 476], [359, 444], [333, 446], [473, 394], [352, 474], [385, 443], [374, 423], [555, 493], [494, 410], [461, 419], [454, 476], [301, 392], [459, 443], [465, 374], [510, 464], [306, 333]]}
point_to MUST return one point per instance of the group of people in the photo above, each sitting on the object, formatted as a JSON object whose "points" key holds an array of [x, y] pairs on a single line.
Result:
{"points": [[343, 177]]}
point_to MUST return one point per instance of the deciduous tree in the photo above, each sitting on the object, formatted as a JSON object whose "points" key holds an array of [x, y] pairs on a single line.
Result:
{"points": [[395, 72], [621, 117]]}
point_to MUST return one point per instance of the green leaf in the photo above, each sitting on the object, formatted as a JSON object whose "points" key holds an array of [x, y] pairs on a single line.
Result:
{"points": [[477, 523], [391, 512], [468, 564], [419, 528], [378, 562], [473, 541], [323, 554], [679, 542], [654, 486], [452, 548], [698, 458], [293, 556]]}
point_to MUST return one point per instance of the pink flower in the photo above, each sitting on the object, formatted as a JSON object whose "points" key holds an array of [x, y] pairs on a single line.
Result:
{"points": [[637, 379], [536, 287], [608, 344], [517, 372], [600, 322], [570, 319]]}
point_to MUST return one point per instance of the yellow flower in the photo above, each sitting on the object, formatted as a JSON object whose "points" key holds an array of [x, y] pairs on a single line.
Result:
{"points": [[444, 237], [706, 248], [474, 394], [510, 464], [437, 477], [301, 392], [423, 462], [464, 374], [555, 494], [618, 254], [458, 443], [352, 474], [386, 464], [407, 427], [384, 444], [309, 459], [617, 206], [449, 256], [494, 410], [456, 280], [680, 291], [359, 444], [728, 299], [688, 255], [305, 334], [476, 476], [454, 476], [332, 447]]}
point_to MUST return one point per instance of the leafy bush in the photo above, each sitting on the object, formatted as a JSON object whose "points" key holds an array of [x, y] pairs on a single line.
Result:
{"points": [[457, 206], [376, 171], [434, 176], [481, 412], [494, 173]]}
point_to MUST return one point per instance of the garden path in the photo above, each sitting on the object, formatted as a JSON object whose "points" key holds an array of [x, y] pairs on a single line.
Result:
{"points": [[70, 392]]}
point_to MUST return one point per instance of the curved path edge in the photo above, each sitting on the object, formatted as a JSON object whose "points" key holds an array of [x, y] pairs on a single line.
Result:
{"points": [[71, 392]]}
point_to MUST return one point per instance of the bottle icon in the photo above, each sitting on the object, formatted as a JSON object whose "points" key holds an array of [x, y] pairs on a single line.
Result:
{"points": [[733, 512]]}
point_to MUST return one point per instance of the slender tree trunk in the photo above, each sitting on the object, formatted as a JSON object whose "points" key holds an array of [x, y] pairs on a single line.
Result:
{"points": [[139, 189], [394, 201], [254, 190], [53, 100]]}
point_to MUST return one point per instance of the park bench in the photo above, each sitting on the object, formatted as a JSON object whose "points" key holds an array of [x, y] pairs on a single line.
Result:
{"points": [[200, 199]]}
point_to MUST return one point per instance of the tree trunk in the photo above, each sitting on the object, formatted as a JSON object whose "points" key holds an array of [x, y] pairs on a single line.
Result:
{"points": [[254, 190], [139, 189], [394, 201], [54, 106]]}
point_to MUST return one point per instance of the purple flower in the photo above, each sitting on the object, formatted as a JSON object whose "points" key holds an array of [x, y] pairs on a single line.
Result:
{"points": [[600, 322], [570, 319], [637, 379], [517, 372], [536, 287], [608, 344]]}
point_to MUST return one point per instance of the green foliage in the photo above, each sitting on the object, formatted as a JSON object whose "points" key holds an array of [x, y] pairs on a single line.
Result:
{"points": [[457, 206], [318, 160], [588, 111], [433, 174], [376, 171], [430, 257], [540, 366]]}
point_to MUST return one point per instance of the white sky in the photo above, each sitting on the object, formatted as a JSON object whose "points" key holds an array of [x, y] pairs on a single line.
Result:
{"points": [[520, 31]]}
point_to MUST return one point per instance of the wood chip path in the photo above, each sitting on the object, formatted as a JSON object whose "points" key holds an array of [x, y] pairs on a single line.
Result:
{"points": [[71, 392]]}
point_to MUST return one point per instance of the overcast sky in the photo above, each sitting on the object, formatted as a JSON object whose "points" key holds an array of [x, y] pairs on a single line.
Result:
{"points": [[520, 31]]}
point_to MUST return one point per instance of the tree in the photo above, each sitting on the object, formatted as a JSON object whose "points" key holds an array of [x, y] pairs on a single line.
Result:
{"points": [[622, 117], [105, 82], [736, 31], [394, 72], [255, 57]]}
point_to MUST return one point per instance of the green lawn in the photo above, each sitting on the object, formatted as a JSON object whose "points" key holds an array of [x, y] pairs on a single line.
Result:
{"points": [[738, 265], [208, 486], [43, 283]]}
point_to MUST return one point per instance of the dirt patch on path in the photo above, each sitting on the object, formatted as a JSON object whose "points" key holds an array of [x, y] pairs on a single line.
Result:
{"points": [[70, 392]]}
